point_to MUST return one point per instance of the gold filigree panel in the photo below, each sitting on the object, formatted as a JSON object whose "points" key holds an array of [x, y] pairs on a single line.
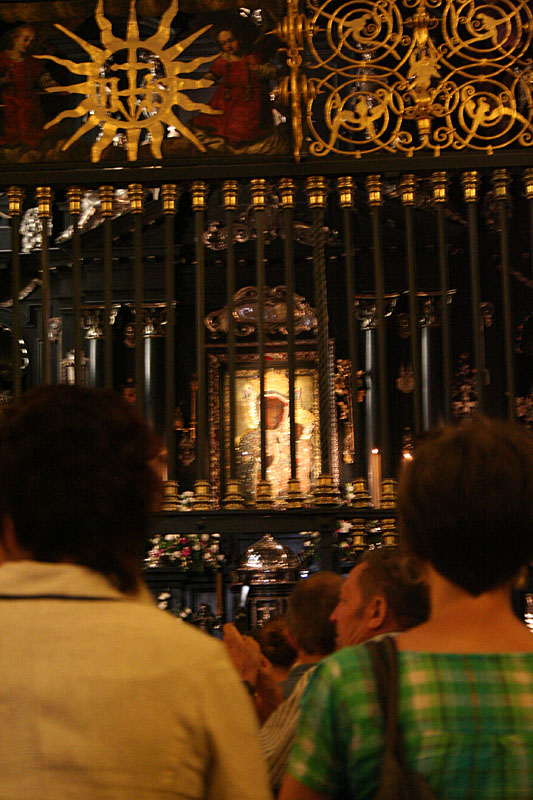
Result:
{"points": [[410, 75]]}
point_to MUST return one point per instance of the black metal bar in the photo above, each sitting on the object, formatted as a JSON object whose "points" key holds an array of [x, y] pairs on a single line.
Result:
{"points": [[136, 199], [346, 189], [74, 196], [44, 202], [199, 191], [320, 293], [106, 200], [15, 196], [470, 185], [528, 189], [169, 196], [413, 320], [287, 189], [440, 182], [375, 200], [261, 339], [501, 180], [229, 190]]}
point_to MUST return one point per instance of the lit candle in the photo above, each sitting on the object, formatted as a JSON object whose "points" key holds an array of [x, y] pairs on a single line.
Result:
{"points": [[375, 478], [407, 457]]}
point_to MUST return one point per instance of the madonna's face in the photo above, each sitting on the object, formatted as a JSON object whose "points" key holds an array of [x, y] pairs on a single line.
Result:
{"points": [[274, 411]]}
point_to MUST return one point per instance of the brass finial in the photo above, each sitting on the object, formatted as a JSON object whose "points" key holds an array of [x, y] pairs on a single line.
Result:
{"points": [[233, 497], [317, 191], [374, 187], [43, 195], [361, 497], [230, 194], [263, 495], [170, 496], [388, 500], [501, 180], [15, 196], [169, 196], [202, 496], [74, 195], [528, 183], [287, 192], [258, 187], [470, 181], [439, 181], [199, 192], [358, 535], [346, 188], [389, 533], [388, 493], [135, 194], [294, 497], [107, 195], [325, 492], [407, 189]]}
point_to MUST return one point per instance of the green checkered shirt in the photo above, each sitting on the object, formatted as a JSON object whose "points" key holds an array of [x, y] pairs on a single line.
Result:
{"points": [[466, 722]]}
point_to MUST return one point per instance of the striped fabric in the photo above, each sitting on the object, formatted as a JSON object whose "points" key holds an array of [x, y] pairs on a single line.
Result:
{"points": [[466, 721], [277, 734]]}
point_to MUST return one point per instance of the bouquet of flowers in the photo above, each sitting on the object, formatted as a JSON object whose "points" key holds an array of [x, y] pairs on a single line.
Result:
{"points": [[192, 552]]}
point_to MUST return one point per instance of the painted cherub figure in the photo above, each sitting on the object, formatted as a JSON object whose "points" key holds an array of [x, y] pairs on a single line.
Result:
{"points": [[22, 77]]}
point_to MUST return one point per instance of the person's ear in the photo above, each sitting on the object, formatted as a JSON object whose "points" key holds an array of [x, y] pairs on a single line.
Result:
{"points": [[377, 612], [290, 638], [10, 549]]}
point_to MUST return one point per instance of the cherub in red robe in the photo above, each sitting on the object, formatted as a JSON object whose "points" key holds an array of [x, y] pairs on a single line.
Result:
{"points": [[21, 78], [241, 94]]}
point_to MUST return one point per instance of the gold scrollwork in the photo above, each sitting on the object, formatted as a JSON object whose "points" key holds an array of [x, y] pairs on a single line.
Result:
{"points": [[407, 75], [295, 88]]}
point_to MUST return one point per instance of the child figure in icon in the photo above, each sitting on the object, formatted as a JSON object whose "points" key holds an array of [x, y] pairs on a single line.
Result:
{"points": [[22, 78], [244, 122]]}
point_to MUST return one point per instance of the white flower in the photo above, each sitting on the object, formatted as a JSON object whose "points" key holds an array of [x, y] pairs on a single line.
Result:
{"points": [[220, 557], [162, 605], [196, 547], [163, 596], [214, 548], [171, 537], [204, 537], [215, 535]]}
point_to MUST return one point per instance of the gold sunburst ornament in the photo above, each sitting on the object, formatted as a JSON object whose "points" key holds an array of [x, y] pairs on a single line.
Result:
{"points": [[124, 94]]}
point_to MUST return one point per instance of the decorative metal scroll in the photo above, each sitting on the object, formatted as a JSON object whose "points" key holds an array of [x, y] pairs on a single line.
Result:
{"points": [[245, 313], [408, 75]]}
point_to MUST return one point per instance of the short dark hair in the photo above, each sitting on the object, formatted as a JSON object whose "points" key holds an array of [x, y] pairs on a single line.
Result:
{"points": [[388, 572], [274, 644], [75, 478], [465, 503], [309, 608]]}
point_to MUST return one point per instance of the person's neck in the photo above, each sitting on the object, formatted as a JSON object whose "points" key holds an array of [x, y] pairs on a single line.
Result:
{"points": [[308, 658], [460, 622], [15, 55]]}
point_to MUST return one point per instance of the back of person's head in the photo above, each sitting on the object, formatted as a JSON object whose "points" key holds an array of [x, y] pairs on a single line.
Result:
{"points": [[465, 503], [309, 608], [274, 643], [389, 573], [76, 479]]}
